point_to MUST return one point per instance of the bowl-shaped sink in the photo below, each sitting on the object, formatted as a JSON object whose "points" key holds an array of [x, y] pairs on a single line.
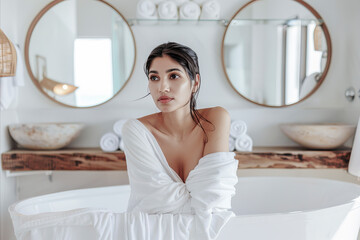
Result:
{"points": [[44, 136], [319, 135]]}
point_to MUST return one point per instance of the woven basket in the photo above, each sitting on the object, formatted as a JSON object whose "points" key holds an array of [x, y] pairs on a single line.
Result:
{"points": [[7, 57]]}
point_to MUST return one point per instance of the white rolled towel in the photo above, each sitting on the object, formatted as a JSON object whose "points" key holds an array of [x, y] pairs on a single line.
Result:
{"points": [[210, 10], [118, 125], [237, 128], [189, 10], [121, 144], [167, 10], [146, 9], [244, 143], [109, 142], [231, 144]]}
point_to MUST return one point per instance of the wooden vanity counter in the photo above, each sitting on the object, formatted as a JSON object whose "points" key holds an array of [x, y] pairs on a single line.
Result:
{"points": [[96, 159]]}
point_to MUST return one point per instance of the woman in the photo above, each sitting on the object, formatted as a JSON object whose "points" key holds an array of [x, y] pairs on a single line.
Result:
{"points": [[177, 159]]}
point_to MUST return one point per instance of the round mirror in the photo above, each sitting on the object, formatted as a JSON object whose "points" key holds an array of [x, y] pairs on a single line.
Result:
{"points": [[276, 53], [80, 53]]}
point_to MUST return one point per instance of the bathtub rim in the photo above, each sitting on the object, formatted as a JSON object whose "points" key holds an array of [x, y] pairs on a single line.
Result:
{"points": [[69, 193], [13, 207]]}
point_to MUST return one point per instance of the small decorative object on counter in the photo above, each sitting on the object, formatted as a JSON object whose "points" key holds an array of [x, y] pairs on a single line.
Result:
{"points": [[319, 135], [44, 136]]}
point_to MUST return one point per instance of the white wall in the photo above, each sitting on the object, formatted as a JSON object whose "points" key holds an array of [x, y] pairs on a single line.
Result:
{"points": [[8, 23], [328, 104]]}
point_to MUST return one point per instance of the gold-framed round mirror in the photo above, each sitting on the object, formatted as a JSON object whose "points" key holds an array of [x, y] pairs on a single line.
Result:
{"points": [[80, 53], [276, 53]]}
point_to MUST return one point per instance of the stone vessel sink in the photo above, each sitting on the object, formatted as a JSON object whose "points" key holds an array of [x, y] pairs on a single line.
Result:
{"points": [[44, 136], [319, 135]]}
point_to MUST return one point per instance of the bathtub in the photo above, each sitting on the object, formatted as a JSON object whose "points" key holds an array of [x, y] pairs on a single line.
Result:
{"points": [[279, 208]]}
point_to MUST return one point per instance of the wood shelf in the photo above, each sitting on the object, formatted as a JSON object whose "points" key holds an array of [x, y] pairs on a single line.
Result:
{"points": [[96, 159]]}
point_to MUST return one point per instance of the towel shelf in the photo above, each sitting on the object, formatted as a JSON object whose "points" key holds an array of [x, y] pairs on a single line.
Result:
{"points": [[223, 22], [95, 159], [152, 22]]}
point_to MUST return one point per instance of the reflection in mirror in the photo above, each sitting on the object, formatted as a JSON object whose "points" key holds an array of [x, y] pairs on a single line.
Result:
{"points": [[276, 53], [80, 53]]}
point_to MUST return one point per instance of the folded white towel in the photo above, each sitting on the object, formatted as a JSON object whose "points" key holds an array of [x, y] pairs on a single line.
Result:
{"points": [[231, 144], [167, 10], [243, 143], [118, 125], [109, 142], [210, 10], [146, 9], [8, 84], [189, 10], [237, 128]]}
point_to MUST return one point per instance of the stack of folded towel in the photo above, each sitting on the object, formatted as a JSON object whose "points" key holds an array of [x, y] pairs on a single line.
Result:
{"points": [[146, 9], [210, 10], [112, 141], [174, 9], [238, 139]]}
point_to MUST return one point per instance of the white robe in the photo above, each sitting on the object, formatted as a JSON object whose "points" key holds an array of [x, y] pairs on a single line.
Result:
{"points": [[157, 189], [161, 205]]}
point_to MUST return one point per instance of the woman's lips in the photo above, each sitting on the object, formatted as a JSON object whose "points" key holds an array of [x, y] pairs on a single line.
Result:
{"points": [[165, 99]]}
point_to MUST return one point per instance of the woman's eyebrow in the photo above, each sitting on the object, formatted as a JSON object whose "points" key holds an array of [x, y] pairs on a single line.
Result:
{"points": [[169, 70], [173, 69]]}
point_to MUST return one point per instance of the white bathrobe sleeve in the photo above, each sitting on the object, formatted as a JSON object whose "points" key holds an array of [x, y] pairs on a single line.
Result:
{"points": [[152, 188], [211, 186]]}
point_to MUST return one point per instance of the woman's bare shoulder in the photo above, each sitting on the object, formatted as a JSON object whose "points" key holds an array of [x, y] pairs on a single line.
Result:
{"points": [[216, 115], [218, 135], [148, 120]]}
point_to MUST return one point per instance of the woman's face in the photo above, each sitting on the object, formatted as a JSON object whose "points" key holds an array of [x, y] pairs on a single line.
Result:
{"points": [[169, 84]]}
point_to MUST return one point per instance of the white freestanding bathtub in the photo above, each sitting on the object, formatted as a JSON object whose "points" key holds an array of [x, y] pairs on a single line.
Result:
{"points": [[279, 208]]}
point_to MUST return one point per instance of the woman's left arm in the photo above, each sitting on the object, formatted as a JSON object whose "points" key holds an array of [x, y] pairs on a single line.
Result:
{"points": [[218, 136]]}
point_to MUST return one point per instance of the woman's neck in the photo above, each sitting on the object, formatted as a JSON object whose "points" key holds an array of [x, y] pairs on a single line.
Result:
{"points": [[178, 124]]}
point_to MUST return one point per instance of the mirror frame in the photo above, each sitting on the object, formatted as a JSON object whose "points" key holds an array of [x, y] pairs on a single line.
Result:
{"points": [[328, 60], [27, 43]]}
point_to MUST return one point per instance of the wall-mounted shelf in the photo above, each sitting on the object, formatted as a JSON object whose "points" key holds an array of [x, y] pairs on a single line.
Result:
{"points": [[224, 22], [95, 159], [288, 22], [138, 21]]}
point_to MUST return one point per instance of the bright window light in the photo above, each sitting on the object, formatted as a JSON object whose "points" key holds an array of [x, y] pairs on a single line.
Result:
{"points": [[292, 63], [93, 70]]}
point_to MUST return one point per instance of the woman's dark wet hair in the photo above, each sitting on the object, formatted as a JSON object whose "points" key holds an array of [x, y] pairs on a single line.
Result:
{"points": [[188, 59]]}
